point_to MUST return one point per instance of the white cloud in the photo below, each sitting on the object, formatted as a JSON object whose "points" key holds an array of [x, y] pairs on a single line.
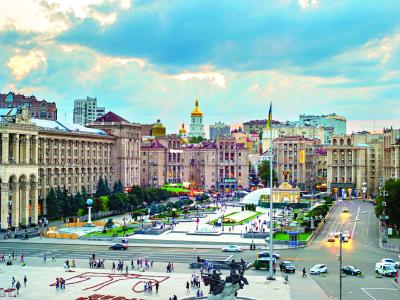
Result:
{"points": [[215, 78], [53, 16], [308, 4], [383, 49], [21, 64]]}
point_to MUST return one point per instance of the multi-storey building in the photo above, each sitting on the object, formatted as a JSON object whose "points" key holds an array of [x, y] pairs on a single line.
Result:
{"points": [[86, 110], [294, 160], [337, 123], [218, 130], [39, 154], [40, 109], [254, 126], [391, 154], [355, 164], [218, 164]]}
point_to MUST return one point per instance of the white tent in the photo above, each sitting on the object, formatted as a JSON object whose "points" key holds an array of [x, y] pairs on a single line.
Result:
{"points": [[254, 196]]}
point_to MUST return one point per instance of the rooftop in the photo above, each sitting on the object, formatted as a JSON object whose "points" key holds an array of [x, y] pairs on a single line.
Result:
{"points": [[110, 117]]}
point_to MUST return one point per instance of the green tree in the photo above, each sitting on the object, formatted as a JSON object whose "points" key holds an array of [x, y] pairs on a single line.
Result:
{"points": [[196, 140], [102, 189], [118, 188], [263, 173], [392, 208], [53, 206], [101, 204], [107, 187]]}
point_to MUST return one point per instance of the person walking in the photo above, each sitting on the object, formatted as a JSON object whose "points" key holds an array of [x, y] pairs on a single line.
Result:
{"points": [[18, 286], [304, 272], [187, 286], [13, 282], [157, 286], [25, 280]]}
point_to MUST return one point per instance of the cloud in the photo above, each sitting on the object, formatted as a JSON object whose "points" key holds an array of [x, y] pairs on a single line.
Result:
{"points": [[215, 78], [308, 4], [21, 64]]}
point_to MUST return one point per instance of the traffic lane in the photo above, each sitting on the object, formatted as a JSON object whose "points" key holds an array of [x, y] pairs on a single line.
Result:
{"points": [[385, 293]]}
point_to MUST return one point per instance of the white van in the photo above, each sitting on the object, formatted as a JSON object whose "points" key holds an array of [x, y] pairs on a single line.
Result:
{"points": [[385, 269]]}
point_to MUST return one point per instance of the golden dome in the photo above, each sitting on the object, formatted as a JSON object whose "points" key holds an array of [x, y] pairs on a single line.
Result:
{"points": [[158, 129], [196, 111], [182, 131]]}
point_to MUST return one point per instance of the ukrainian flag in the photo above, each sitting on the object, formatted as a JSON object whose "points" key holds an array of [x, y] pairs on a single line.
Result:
{"points": [[269, 121]]}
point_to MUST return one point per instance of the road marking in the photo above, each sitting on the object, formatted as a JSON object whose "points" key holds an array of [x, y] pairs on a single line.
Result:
{"points": [[355, 223], [333, 224], [372, 297]]}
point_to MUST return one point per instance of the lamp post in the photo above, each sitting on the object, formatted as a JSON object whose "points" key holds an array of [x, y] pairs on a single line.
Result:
{"points": [[384, 195], [341, 255], [124, 227]]}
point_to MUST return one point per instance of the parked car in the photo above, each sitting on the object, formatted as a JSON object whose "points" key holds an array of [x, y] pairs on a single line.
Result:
{"points": [[232, 248], [266, 254], [318, 269], [263, 263], [390, 261], [331, 237], [118, 246], [351, 270], [385, 269], [287, 266]]}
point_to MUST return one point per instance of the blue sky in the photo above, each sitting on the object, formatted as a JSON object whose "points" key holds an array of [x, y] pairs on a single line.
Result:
{"points": [[150, 59]]}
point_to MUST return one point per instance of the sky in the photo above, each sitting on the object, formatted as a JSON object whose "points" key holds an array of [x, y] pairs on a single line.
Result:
{"points": [[149, 60]]}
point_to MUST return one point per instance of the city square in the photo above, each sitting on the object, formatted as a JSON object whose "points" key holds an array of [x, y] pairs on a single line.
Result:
{"points": [[188, 150]]}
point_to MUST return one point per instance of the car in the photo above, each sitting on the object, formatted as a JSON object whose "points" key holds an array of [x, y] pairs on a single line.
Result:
{"points": [[351, 270], [231, 248], [345, 210], [347, 233], [390, 261], [266, 254], [263, 263], [345, 238], [385, 269], [331, 237], [318, 269], [336, 234], [118, 246], [287, 266]]}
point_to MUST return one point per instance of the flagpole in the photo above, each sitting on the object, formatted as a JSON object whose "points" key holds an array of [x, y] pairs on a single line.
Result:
{"points": [[271, 227]]}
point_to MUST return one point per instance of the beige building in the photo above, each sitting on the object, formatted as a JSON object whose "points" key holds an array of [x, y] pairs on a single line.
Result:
{"points": [[283, 129], [294, 159], [218, 164], [391, 154], [39, 154], [355, 164]]}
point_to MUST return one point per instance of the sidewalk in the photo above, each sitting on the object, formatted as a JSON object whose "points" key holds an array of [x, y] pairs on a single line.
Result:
{"points": [[392, 244]]}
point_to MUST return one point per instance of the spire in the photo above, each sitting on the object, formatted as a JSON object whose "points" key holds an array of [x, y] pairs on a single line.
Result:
{"points": [[196, 111]]}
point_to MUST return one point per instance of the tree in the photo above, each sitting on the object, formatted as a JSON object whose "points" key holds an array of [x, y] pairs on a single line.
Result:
{"points": [[101, 204], [102, 189], [196, 140], [392, 208], [118, 188], [263, 173], [107, 187], [53, 206]]}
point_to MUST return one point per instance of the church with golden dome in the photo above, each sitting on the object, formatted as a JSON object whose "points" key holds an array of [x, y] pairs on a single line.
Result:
{"points": [[196, 124]]}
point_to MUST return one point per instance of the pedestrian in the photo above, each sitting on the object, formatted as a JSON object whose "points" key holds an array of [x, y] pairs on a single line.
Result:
{"points": [[13, 282], [44, 257], [53, 258], [174, 297], [187, 286], [304, 272], [132, 264], [25, 280], [157, 286], [127, 269], [18, 286]]}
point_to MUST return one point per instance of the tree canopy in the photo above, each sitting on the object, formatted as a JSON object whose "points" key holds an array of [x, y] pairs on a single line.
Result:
{"points": [[263, 173]]}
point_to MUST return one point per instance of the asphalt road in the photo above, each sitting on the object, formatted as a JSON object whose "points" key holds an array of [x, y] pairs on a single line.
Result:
{"points": [[362, 251]]}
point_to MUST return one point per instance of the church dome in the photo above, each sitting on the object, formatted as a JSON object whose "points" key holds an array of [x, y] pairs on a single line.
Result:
{"points": [[182, 130], [196, 111]]}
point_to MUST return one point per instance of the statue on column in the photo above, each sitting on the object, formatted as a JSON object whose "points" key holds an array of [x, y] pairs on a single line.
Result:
{"points": [[286, 174]]}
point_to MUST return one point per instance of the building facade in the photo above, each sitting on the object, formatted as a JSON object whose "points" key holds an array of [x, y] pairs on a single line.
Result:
{"points": [[40, 109], [196, 122], [355, 164], [218, 130], [391, 154], [255, 126], [294, 161], [37, 155], [212, 165], [86, 111], [338, 123]]}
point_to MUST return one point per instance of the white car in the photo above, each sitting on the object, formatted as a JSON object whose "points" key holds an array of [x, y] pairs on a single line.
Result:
{"points": [[318, 269], [232, 248], [347, 234], [385, 269], [389, 261]]}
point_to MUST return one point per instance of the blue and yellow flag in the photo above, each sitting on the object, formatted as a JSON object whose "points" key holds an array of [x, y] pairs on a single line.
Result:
{"points": [[269, 121]]}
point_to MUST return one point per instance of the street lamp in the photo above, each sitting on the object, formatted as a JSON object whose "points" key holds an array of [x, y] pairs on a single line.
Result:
{"points": [[124, 227], [384, 195], [341, 255]]}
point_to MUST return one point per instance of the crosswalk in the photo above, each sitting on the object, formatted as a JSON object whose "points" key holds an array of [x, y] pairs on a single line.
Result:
{"points": [[85, 252]]}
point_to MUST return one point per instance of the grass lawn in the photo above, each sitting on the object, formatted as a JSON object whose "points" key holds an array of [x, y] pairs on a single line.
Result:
{"points": [[285, 237], [237, 223], [118, 231]]}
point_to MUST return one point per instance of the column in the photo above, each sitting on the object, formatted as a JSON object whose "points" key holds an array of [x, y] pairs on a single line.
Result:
{"points": [[15, 204], [35, 152], [24, 204], [26, 152], [33, 196], [5, 143], [4, 206], [16, 149]]}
